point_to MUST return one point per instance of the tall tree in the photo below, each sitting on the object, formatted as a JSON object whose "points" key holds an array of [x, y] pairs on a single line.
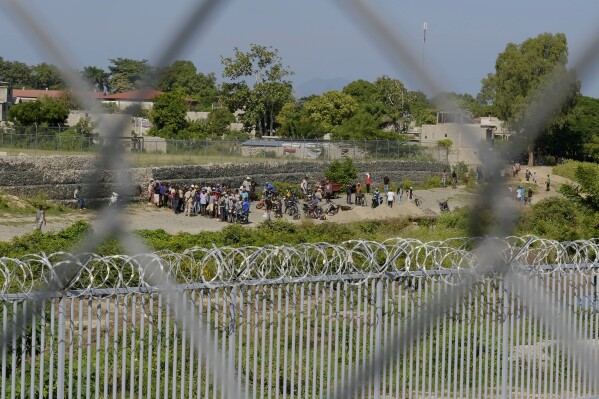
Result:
{"points": [[524, 71], [127, 74], [257, 84], [16, 73], [95, 77], [395, 97], [295, 122], [169, 115], [183, 76], [46, 76], [362, 90], [331, 108]]}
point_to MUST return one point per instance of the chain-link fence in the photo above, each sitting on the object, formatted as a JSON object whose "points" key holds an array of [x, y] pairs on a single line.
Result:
{"points": [[142, 150], [414, 336]]}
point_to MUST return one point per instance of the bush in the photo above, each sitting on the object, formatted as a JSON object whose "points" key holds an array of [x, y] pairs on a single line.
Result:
{"points": [[568, 169], [284, 187], [461, 168], [431, 182], [406, 184], [40, 199], [341, 172], [556, 218]]}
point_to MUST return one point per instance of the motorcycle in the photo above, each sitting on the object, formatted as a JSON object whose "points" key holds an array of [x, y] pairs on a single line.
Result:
{"points": [[443, 207], [292, 208], [313, 211], [377, 200], [278, 208], [331, 209]]}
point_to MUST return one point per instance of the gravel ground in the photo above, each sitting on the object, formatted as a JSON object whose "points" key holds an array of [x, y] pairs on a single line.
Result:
{"points": [[149, 217]]}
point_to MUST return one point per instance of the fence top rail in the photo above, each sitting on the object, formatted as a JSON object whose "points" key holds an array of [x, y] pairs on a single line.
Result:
{"points": [[447, 276], [351, 260]]}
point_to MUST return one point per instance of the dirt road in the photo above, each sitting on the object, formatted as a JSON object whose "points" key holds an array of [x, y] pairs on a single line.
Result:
{"points": [[147, 217]]}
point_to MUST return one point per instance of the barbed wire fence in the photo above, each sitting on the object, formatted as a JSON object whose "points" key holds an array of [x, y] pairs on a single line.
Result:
{"points": [[483, 257], [296, 321]]}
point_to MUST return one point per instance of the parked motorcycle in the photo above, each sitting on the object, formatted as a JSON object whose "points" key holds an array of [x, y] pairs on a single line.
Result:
{"points": [[331, 209], [377, 199], [443, 207], [313, 211]]}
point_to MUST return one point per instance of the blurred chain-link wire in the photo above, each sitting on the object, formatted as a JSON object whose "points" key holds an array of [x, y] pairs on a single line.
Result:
{"points": [[488, 254]]}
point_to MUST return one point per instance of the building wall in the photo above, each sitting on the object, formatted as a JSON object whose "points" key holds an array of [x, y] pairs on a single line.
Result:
{"points": [[466, 139], [6, 100]]}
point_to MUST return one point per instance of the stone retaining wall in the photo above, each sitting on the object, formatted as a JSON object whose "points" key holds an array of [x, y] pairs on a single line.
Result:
{"points": [[58, 176]]}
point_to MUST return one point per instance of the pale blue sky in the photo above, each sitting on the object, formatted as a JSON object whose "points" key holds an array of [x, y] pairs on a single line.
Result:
{"points": [[314, 37]]}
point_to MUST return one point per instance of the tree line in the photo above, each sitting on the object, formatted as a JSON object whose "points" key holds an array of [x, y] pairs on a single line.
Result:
{"points": [[257, 83]]}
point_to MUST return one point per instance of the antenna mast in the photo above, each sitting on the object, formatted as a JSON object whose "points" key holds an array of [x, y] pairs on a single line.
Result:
{"points": [[424, 28]]}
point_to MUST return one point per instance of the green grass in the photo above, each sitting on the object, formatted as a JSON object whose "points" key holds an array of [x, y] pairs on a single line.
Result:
{"points": [[14, 206], [568, 169]]}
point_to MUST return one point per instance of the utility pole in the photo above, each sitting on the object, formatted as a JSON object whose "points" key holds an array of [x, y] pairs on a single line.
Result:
{"points": [[424, 28]]}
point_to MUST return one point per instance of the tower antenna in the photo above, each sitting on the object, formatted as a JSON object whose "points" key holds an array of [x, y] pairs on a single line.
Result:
{"points": [[424, 28]]}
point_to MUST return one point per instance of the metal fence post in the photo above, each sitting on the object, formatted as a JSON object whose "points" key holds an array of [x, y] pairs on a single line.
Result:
{"points": [[60, 366], [377, 338], [505, 347]]}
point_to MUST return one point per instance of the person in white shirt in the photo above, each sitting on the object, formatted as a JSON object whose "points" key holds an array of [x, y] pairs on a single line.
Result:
{"points": [[304, 186], [390, 198]]}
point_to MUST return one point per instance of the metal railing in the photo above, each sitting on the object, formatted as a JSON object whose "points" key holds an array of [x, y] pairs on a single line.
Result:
{"points": [[290, 328]]}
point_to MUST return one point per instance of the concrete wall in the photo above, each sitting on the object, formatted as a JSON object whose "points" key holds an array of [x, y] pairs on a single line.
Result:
{"points": [[58, 176]]}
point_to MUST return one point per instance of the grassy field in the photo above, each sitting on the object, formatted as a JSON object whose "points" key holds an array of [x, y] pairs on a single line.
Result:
{"points": [[568, 169]]}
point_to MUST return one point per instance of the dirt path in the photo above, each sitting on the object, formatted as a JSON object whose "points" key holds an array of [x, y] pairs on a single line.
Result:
{"points": [[148, 217]]}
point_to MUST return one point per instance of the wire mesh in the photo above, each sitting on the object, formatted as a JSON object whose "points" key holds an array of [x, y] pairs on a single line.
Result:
{"points": [[40, 277]]}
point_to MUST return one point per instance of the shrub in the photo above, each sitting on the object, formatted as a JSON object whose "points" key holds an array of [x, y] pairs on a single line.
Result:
{"points": [[341, 172], [461, 168], [431, 182], [568, 169], [406, 184], [40, 199], [556, 218]]}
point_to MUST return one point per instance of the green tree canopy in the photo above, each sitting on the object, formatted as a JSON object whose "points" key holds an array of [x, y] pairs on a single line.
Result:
{"points": [[183, 76], [586, 192], [218, 122], [295, 122], [331, 108], [362, 125], [45, 112], [128, 74], [256, 83], [579, 137], [524, 71], [363, 91], [95, 77], [46, 76], [16, 73], [169, 115]]}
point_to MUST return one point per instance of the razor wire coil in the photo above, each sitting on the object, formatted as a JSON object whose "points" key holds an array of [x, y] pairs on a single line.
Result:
{"points": [[212, 267]]}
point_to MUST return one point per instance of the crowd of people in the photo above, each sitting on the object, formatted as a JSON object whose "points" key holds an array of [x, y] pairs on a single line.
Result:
{"points": [[232, 204], [211, 200]]}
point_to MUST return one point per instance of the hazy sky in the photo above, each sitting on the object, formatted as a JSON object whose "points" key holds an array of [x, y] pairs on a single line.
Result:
{"points": [[316, 38]]}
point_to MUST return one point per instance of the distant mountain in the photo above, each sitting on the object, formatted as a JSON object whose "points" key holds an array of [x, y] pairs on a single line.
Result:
{"points": [[318, 86]]}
